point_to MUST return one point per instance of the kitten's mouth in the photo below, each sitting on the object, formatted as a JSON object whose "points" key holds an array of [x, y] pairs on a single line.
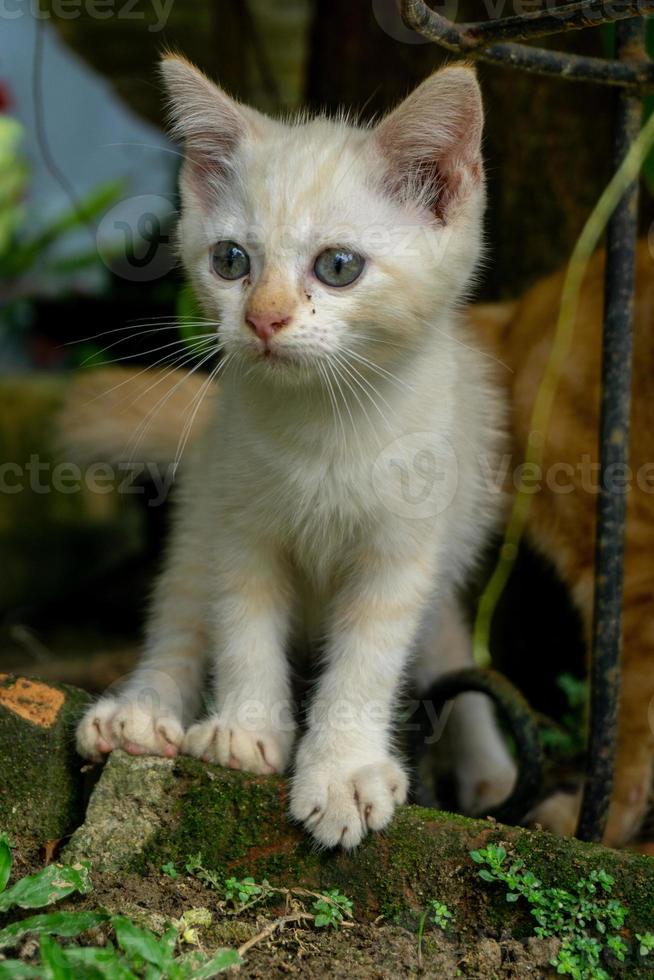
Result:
{"points": [[275, 357]]}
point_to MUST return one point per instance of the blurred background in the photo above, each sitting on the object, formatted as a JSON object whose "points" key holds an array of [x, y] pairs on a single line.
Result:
{"points": [[87, 209]]}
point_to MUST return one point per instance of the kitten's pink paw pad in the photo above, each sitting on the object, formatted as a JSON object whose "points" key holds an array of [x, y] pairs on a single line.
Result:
{"points": [[338, 807], [115, 724], [229, 745]]}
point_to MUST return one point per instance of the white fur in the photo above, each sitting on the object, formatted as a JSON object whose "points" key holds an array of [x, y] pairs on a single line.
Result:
{"points": [[292, 518]]}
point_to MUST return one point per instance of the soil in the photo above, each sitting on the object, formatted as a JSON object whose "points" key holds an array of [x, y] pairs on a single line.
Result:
{"points": [[378, 951]]}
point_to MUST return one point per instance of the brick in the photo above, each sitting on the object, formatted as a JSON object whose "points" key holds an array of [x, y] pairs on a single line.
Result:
{"points": [[41, 792]]}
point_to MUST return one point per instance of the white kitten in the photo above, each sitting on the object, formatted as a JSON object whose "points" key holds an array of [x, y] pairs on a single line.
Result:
{"points": [[340, 495]]}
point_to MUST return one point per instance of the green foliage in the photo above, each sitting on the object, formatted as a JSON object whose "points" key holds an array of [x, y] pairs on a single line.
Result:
{"points": [[52, 924], [188, 312], [138, 953], [646, 940], [586, 919], [47, 886], [5, 860], [170, 870], [569, 739], [438, 915], [245, 892], [331, 908], [195, 867]]}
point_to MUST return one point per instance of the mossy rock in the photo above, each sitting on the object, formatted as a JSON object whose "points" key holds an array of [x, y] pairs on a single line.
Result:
{"points": [[41, 787], [148, 811]]}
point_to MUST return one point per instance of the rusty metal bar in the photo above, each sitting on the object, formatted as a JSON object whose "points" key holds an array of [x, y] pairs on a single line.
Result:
{"points": [[522, 27], [520, 722], [614, 457], [479, 40], [634, 73]]}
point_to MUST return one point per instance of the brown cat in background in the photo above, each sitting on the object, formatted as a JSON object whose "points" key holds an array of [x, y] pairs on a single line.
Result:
{"points": [[562, 516]]}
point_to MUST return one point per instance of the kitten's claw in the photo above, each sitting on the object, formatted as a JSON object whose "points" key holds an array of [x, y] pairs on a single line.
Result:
{"points": [[338, 807], [218, 740], [113, 723]]}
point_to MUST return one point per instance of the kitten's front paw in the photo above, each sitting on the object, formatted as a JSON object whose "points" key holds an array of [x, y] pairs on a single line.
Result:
{"points": [[114, 723], [216, 739], [339, 807]]}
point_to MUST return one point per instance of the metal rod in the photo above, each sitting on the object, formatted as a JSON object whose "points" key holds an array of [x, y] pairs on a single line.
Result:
{"points": [[557, 20], [474, 41], [614, 456], [521, 723], [522, 27]]}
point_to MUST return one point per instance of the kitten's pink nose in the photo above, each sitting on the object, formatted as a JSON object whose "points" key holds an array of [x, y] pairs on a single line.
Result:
{"points": [[266, 325]]}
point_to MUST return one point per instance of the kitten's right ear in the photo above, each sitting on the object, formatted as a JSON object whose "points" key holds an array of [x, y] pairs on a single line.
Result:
{"points": [[209, 123]]}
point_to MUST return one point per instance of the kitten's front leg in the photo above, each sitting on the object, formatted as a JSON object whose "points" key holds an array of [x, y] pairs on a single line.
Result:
{"points": [[252, 725], [347, 779]]}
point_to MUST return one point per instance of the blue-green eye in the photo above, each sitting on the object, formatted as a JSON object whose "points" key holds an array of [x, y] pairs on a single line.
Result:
{"points": [[338, 266], [230, 260]]}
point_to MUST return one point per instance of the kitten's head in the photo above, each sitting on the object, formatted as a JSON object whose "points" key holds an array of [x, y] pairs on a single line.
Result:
{"points": [[315, 240]]}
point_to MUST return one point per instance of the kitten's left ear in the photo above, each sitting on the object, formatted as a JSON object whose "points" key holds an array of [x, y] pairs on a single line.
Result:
{"points": [[432, 141]]}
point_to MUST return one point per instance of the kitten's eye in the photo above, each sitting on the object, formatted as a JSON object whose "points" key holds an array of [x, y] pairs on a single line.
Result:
{"points": [[338, 266], [230, 260]]}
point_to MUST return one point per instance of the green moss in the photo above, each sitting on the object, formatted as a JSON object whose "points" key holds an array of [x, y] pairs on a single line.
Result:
{"points": [[175, 809], [41, 784]]}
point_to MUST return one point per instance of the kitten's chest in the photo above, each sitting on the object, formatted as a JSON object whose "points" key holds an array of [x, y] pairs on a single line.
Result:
{"points": [[315, 500]]}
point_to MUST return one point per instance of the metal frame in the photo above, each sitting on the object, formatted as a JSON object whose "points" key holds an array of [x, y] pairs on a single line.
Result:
{"points": [[633, 74]]}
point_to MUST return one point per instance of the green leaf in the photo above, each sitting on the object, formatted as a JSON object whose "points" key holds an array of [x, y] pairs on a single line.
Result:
{"points": [[322, 920], [140, 943], [54, 960], [5, 861], [486, 875], [94, 962], [51, 924], [50, 885], [16, 970], [221, 961], [188, 313]]}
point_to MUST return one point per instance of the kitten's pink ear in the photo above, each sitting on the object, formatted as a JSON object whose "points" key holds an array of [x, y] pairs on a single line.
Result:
{"points": [[432, 141], [209, 123]]}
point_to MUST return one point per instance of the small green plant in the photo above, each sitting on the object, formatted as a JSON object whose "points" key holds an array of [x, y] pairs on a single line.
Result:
{"points": [[170, 870], [194, 866], [436, 914], [242, 894], [331, 908], [569, 738], [138, 952], [586, 919], [646, 940]]}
